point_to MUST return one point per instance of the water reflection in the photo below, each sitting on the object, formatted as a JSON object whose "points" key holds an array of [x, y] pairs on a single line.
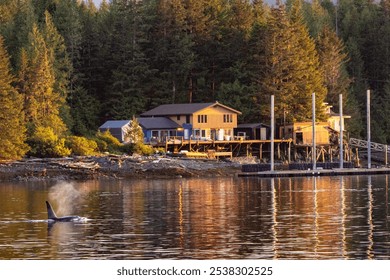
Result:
{"points": [[281, 218]]}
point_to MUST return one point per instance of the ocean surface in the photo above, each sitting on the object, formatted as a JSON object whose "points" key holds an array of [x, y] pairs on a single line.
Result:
{"points": [[219, 218]]}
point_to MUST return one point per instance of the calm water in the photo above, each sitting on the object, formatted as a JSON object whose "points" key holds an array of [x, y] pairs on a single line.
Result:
{"points": [[299, 218]]}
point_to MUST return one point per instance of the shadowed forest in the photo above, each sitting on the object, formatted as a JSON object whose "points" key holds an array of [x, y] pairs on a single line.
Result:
{"points": [[66, 66]]}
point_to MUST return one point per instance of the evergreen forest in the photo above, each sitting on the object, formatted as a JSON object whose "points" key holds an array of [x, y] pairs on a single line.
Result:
{"points": [[66, 66]]}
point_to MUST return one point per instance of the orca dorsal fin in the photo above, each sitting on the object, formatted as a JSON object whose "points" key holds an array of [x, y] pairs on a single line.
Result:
{"points": [[51, 215]]}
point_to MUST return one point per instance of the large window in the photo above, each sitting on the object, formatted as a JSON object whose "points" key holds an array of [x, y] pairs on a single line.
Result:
{"points": [[228, 118], [202, 118]]}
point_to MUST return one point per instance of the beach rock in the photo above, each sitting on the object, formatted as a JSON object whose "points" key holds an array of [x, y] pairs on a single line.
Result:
{"points": [[114, 166]]}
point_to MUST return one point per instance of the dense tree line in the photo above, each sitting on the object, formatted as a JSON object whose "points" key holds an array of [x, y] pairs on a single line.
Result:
{"points": [[67, 66]]}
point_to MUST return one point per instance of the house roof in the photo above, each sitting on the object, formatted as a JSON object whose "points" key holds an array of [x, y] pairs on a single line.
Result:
{"points": [[252, 125], [157, 123], [183, 109], [333, 114], [114, 124]]}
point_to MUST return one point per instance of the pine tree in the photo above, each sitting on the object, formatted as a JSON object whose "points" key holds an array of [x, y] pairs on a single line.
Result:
{"points": [[12, 126], [134, 133], [272, 63], [36, 78], [131, 73], [333, 63], [171, 52], [61, 65], [288, 67], [311, 80]]}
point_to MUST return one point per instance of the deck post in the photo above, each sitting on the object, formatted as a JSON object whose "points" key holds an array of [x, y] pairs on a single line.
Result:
{"points": [[261, 152], [272, 130], [385, 155], [289, 152]]}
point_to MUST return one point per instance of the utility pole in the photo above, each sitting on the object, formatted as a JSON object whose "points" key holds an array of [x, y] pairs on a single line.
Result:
{"points": [[341, 131], [272, 130], [368, 130]]}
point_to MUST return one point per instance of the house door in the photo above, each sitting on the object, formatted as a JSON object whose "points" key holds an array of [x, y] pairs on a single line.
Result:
{"points": [[213, 134]]}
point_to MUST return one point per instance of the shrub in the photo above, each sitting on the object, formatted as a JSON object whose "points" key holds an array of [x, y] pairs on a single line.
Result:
{"points": [[45, 143], [101, 145], [139, 148], [111, 145], [81, 146]]}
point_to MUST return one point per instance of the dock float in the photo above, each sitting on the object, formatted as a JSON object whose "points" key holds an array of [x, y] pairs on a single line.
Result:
{"points": [[316, 172]]}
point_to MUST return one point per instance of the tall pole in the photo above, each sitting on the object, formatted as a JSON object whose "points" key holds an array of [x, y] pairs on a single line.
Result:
{"points": [[272, 130], [314, 154], [368, 130], [341, 131]]}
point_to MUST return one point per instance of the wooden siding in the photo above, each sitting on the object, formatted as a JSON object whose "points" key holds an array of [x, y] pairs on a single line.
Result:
{"points": [[302, 133], [215, 118]]}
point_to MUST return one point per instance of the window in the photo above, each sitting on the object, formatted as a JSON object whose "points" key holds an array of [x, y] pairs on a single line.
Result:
{"points": [[299, 138], [178, 117], [227, 118], [202, 118]]}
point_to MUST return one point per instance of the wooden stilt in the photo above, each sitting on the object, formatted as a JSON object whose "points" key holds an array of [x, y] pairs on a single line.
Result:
{"points": [[261, 152]]}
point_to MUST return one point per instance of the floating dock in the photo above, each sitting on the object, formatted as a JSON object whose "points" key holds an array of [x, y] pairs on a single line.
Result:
{"points": [[316, 172]]}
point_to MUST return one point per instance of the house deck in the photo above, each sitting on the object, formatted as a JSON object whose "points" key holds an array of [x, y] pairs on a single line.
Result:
{"points": [[228, 148]]}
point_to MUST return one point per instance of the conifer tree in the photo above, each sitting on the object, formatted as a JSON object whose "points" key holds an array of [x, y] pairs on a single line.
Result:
{"points": [[135, 134], [42, 103], [273, 63], [311, 79], [172, 53], [333, 64], [12, 126]]}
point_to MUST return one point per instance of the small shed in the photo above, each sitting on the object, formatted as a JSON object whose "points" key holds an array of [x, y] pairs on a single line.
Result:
{"points": [[252, 131], [118, 129]]}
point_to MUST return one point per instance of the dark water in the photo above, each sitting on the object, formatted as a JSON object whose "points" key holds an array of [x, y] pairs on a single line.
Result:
{"points": [[232, 218]]}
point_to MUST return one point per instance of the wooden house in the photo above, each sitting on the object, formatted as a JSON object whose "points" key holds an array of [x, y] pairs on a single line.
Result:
{"points": [[302, 133], [334, 119], [118, 129], [199, 121]]}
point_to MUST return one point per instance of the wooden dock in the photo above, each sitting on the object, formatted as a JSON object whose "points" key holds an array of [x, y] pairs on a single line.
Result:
{"points": [[317, 172], [234, 147]]}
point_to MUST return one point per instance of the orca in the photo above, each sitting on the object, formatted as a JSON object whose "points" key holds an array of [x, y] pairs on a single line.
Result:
{"points": [[51, 215]]}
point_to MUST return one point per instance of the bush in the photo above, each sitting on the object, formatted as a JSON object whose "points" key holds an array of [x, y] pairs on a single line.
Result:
{"points": [[108, 143], [81, 146], [45, 143], [139, 148]]}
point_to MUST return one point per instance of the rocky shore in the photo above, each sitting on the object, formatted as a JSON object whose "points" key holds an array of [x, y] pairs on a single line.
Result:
{"points": [[120, 167]]}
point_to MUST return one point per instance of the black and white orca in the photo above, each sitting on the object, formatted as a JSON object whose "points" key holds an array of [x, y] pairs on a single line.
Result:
{"points": [[51, 215]]}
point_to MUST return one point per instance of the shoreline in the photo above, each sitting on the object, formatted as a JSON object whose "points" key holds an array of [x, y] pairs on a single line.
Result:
{"points": [[115, 167]]}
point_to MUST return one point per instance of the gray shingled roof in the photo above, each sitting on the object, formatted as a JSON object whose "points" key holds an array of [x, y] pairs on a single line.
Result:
{"points": [[181, 109], [252, 125], [157, 123], [114, 124]]}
